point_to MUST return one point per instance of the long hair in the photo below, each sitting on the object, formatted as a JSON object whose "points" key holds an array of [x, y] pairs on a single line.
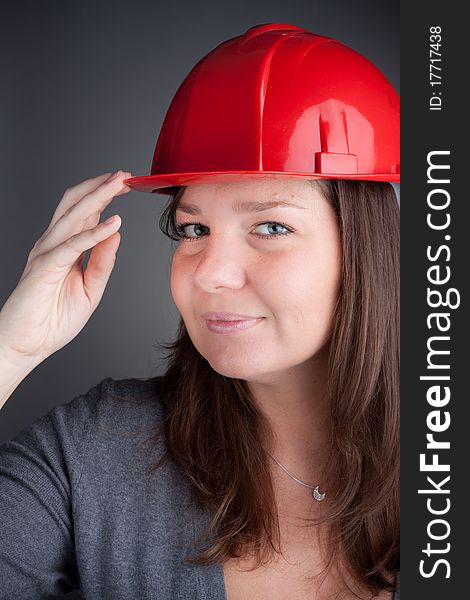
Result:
{"points": [[213, 428]]}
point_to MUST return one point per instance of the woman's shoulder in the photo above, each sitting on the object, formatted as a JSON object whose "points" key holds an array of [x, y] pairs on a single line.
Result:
{"points": [[114, 398], [73, 471], [113, 408], [107, 428], [110, 408], [127, 403], [130, 392]]}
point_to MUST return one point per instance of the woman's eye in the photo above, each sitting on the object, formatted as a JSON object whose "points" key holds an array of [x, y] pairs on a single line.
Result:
{"points": [[181, 229], [271, 227]]}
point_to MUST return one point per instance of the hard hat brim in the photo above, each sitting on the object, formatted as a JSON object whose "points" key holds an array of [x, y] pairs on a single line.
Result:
{"points": [[162, 183]]}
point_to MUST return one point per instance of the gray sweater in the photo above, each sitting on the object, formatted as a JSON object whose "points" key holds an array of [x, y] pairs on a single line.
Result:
{"points": [[78, 510]]}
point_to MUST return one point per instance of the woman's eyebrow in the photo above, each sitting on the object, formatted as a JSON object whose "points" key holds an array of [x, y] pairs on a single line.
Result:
{"points": [[242, 207]]}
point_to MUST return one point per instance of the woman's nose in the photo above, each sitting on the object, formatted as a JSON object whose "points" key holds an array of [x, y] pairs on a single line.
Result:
{"points": [[219, 265]]}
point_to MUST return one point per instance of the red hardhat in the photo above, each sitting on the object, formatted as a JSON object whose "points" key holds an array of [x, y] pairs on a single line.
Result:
{"points": [[278, 101]]}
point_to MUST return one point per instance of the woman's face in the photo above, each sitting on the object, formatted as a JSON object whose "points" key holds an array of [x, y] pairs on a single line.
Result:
{"points": [[232, 261]]}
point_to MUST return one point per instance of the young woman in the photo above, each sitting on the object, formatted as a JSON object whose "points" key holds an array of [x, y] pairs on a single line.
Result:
{"points": [[264, 462]]}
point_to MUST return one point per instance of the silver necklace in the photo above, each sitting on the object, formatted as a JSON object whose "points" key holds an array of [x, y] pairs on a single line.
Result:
{"points": [[316, 494]]}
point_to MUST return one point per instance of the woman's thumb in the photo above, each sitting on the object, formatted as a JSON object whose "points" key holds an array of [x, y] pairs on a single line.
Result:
{"points": [[99, 267]]}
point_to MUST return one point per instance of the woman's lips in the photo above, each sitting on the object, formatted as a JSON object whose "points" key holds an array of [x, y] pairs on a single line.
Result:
{"points": [[218, 326], [227, 316]]}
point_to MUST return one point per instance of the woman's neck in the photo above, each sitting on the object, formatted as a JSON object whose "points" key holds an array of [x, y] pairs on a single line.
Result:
{"points": [[295, 403]]}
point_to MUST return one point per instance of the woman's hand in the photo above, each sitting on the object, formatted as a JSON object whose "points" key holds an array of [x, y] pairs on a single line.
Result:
{"points": [[54, 297]]}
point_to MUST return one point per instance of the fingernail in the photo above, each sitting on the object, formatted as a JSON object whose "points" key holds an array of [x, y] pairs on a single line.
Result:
{"points": [[115, 175], [110, 220]]}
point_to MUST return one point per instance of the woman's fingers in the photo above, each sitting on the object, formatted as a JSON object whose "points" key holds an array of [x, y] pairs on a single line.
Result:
{"points": [[82, 214], [54, 297], [99, 268], [74, 194], [63, 256]]}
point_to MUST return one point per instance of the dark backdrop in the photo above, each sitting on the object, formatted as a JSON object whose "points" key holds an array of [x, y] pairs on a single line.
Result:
{"points": [[85, 87]]}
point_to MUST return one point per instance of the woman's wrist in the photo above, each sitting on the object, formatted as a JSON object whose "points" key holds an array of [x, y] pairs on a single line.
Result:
{"points": [[13, 369]]}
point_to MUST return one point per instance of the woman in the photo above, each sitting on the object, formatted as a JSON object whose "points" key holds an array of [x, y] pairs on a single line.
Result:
{"points": [[276, 425]]}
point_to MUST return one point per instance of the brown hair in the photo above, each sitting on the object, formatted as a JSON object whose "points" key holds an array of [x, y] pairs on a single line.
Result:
{"points": [[212, 425]]}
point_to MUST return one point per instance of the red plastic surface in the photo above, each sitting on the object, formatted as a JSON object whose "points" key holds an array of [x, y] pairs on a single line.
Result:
{"points": [[278, 101]]}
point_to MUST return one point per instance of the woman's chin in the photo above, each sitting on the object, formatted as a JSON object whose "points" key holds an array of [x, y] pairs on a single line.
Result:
{"points": [[236, 369]]}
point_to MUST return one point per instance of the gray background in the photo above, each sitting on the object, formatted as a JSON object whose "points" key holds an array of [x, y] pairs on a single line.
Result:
{"points": [[85, 88]]}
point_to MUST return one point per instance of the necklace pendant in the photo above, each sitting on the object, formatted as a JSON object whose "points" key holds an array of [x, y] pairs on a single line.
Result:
{"points": [[319, 497]]}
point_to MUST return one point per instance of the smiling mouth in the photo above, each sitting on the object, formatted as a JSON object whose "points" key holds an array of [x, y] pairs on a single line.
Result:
{"points": [[232, 326], [227, 316]]}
